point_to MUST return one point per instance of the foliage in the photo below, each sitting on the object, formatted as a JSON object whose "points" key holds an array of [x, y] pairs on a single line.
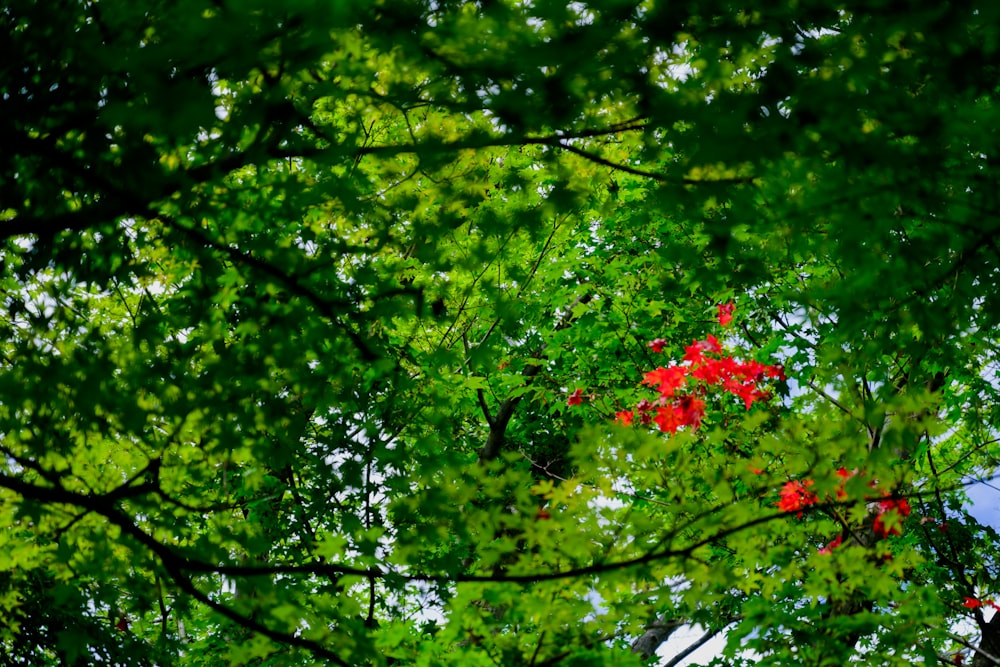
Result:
{"points": [[317, 318]]}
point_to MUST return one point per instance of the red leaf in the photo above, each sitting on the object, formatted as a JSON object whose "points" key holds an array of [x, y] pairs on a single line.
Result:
{"points": [[576, 398], [624, 417], [691, 410], [694, 353], [900, 507], [794, 496], [828, 549], [669, 419], [726, 313], [666, 380], [844, 474]]}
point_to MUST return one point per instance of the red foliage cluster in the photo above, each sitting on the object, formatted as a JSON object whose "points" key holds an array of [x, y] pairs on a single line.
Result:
{"points": [[975, 603], [657, 345], [795, 496], [704, 362], [828, 549], [901, 508], [706, 365], [726, 313]]}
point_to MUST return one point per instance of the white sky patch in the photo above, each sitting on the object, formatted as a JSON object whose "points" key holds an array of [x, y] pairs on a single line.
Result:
{"points": [[984, 503]]}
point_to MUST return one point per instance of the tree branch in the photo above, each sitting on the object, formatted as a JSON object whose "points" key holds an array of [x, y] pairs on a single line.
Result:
{"points": [[704, 639], [656, 633]]}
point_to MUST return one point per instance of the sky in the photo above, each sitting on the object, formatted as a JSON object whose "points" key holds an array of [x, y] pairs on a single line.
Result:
{"points": [[984, 503]]}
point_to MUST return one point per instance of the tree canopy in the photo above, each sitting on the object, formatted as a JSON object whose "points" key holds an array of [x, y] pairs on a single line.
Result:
{"points": [[508, 332]]}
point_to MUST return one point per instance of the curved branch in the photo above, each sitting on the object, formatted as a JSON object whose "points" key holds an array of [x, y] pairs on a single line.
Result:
{"points": [[704, 639], [173, 563], [656, 633]]}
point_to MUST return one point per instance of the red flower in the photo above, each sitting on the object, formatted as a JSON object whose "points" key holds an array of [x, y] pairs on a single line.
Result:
{"points": [[576, 398], [726, 313], [624, 417], [794, 496], [657, 345]]}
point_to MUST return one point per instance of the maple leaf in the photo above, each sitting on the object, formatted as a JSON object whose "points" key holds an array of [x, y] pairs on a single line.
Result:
{"points": [[724, 372], [844, 474], [624, 417], [576, 398], [669, 419], [666, 380], [777, 372], [795, 496], [691, 410], [753, 370], [900, 507], [657, 345], [726, 313], [828, 549], [710, 371], [747, 391], [694, 353]]}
